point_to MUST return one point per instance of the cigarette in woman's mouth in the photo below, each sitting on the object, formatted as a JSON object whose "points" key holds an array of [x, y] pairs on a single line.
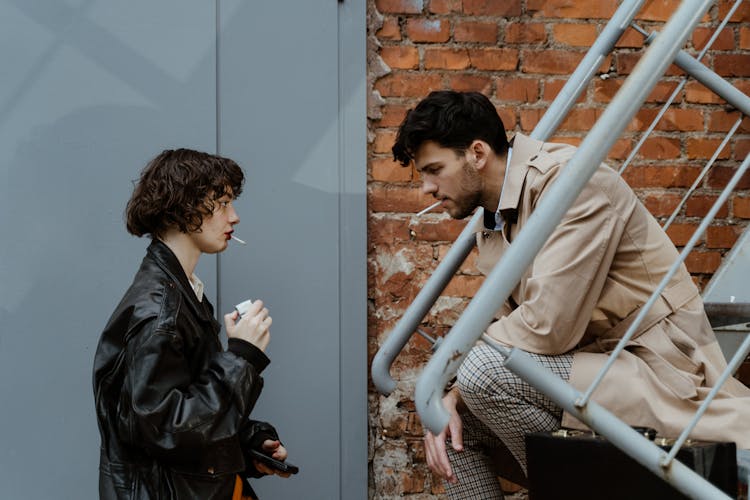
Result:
{"points": [[429, 208], [238, 240]]}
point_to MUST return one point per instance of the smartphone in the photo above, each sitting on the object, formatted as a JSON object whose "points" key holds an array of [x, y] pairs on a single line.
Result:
{"points": [[273, 463]]}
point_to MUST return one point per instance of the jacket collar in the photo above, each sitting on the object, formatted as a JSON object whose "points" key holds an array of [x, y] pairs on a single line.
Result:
{"points": [[525, 151], [167, 261]]}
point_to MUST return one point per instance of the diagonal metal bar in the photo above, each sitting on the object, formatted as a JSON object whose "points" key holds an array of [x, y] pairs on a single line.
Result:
{"points": [[560, 107], [702, 174], [507, 273]]}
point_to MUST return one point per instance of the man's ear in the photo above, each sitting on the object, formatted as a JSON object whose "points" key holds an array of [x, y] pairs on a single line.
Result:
{"points": [[478, 152]]}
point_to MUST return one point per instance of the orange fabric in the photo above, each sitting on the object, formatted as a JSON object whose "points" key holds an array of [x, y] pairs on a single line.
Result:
{"points": [[237, 494]]}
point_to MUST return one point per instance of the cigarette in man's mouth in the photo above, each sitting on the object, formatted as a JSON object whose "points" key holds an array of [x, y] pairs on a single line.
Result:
{"points": [[238, 240], [429, 208]]}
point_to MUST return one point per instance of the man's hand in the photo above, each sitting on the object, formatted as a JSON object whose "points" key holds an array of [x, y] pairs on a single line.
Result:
{"points": [[435, 446], [276, 450], [252, 327]]}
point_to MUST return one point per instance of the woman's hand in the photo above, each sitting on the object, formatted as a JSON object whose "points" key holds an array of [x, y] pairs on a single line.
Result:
{"points": [[253, 327], [276, 450]]}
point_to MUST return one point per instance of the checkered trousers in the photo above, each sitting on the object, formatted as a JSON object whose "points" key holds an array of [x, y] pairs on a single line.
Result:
{"points": [[502, 408]]}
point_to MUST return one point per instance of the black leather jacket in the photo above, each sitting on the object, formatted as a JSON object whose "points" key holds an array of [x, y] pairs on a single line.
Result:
{"points": [[171, 403]]}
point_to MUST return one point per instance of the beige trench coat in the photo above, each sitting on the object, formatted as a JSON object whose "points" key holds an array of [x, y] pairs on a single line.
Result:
{"points": [[585, 287]]}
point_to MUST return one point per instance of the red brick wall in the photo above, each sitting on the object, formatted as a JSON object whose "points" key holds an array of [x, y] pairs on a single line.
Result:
{"points": [[519, 53]]}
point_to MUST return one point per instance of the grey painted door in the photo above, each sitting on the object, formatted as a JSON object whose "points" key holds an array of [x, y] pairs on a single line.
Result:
{"points": [[92, 89]]}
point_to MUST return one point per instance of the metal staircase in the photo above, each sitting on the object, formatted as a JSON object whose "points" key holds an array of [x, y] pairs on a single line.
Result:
{"points": [[663, 49]]}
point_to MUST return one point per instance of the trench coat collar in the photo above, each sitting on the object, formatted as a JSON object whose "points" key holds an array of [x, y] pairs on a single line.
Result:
{"points": [[525, 154], [167, 261]]}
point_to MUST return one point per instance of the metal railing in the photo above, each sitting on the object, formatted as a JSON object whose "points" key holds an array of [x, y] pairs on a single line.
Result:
{"points": [[663, 49]]}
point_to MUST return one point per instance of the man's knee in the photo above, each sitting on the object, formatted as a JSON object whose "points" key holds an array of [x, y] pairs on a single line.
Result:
{"points": [[482, 372]]}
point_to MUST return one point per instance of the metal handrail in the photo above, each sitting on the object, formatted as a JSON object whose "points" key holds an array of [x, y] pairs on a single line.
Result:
{"points": [[556, 113]]}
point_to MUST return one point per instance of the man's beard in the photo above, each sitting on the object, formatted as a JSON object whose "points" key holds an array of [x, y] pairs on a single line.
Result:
{"points": [[469, 196]]}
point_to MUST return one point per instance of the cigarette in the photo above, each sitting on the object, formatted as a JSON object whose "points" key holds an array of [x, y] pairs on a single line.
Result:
{"points": [[429, 208], [238, 240]]}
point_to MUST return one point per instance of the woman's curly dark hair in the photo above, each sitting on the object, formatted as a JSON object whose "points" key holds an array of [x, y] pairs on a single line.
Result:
{"points": [[178, 189]]}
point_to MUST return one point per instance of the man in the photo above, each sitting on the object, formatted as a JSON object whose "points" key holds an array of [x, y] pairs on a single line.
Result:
{"points": [[575, 301]]}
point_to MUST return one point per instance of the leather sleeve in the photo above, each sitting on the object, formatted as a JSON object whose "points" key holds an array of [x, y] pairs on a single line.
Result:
{"points": [[177, 414]]}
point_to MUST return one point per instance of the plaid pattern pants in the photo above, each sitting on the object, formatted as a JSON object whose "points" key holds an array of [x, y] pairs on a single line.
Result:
{"points": [[502, 408]]}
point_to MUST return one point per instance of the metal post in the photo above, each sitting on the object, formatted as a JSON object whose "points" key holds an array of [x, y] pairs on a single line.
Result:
{"points": [[507, 273], [556, 113]]}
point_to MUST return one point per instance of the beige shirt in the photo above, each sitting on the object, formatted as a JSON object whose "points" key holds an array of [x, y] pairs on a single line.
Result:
{"points": [[585, 286]]}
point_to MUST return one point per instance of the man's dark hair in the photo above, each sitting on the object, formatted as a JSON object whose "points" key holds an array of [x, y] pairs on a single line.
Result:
{"points": [[453, 120], [178, 189]]}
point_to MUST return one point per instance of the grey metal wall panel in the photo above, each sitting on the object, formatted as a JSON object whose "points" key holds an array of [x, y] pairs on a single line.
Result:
{"points": [[89, 91], [279, 95]]}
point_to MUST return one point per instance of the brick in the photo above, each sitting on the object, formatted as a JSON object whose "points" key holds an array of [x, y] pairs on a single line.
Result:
{"points": [[386, 232], [626, 61], [700, 147], [440, 230], [506, 8], [721, 236], [723, 121], [680, 234], [741, 15], [508, 117], [390, 29], [399, 6], [494, 59], [393, 115], [719, 176], [745, 37], [699, 205], [663, 176], [400, 56], [658, 10], [552, 87], [605, 90], [642, 119], [463, 286], [383, 141], [387, 170], [725, 40], [529, 118], [630, 39], [661, 205], [575, 35], [392, 198], [413, 481], [741, 207], [660, 148], [732, 64], [696, 92], [428, 30], [580, 119], [468, 266], [475, 31], [703, 262], [525, 33], [550, 61], [445, 58], [681, 119], [620, 149], [741, 149], [566, 9], [510, 89], [408, 84], [445, 6], [470, 83]]}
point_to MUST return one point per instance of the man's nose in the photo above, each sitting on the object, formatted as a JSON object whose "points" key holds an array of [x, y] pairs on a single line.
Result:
{"points": [[428, 187]]}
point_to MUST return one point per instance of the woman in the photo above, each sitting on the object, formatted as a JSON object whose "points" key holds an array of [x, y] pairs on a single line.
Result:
{"points": [[172, 405]]}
